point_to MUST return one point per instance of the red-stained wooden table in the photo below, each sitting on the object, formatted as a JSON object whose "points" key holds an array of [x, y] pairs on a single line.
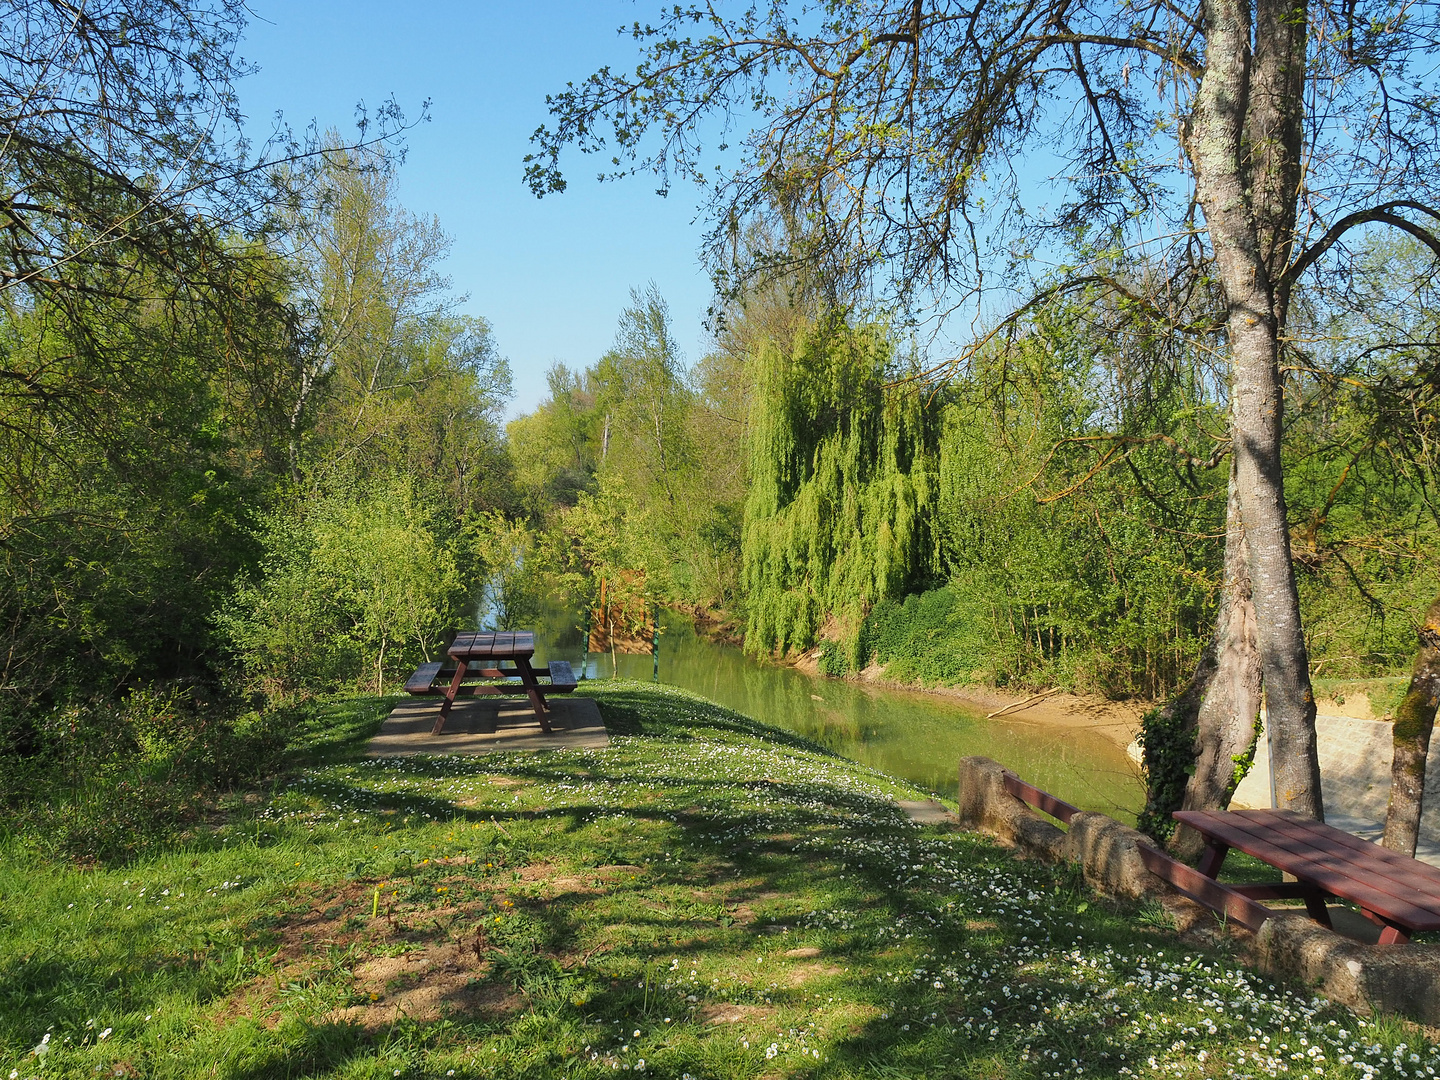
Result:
{"points": [[1400, 894], [479, 654]]}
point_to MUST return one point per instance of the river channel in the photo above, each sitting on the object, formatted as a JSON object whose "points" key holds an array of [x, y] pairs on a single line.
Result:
{"points": [[913, 735]]}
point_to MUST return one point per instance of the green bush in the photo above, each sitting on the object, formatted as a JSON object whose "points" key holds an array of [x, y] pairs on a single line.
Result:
{"points": [[110, 780], [354, 590], [928, 638], [832, 660], [1168, 759]]}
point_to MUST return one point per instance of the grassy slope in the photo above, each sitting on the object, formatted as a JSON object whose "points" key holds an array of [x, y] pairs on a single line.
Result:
{"points": [[707, 898]]}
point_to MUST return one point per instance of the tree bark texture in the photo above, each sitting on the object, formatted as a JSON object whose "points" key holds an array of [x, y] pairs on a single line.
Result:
{"points": [[1225, 720], [1246, 159], [1414, 724]]}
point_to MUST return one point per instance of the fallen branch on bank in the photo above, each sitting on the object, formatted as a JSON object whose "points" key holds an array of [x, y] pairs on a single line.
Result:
{"points": [[1016, 706]]}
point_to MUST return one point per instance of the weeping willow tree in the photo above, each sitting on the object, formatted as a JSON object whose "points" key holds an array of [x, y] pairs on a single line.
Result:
{"points": [[843, 485]]}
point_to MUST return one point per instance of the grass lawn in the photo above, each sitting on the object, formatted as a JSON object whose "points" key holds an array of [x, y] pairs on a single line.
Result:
{"points": [[708, 898]]}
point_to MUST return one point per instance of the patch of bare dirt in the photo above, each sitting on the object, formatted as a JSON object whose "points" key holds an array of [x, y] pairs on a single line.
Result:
{"points": [[432, 960], [805, 952], [732, 898], [800, 974], [259, 1001], [808, 662], [323, 922], [1355, 704], [586, 882], [733, 1014], [426, 984]]}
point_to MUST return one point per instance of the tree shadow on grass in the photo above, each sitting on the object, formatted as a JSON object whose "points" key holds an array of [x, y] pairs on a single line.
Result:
{"points": [[333, 730]]}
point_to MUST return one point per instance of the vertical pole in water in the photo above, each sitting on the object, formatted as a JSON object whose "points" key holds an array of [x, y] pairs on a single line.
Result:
{"points": [[655, 643], [589, 629]]}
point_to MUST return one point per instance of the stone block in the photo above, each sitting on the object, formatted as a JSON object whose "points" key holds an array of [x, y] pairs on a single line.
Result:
{"points": [[985, 806], [1398, 979], [1109, 856]]}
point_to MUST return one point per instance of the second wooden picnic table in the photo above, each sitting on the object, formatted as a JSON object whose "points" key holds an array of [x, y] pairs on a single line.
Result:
{"points": [[1398, 893]]}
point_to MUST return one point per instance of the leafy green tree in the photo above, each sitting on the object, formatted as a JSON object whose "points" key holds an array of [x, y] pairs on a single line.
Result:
{"points": [[391, 378], [512, 567], [122, 521], [131, 198], [555, 450], [841, 507], [353, 591], [649, 446]]}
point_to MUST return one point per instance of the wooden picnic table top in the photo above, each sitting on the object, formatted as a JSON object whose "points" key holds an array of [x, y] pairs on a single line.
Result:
{"points": [[1398, 888], [501, 645]]}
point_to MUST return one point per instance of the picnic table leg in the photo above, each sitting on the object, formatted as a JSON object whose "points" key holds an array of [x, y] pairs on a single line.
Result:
{"points": [[1390, 934], [449, 697], [1215, 853], [1315, 908], [532, 688]]}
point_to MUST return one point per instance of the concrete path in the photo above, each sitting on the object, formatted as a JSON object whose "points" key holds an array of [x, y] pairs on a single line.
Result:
{"points": [[488, 726], [927, 812]]}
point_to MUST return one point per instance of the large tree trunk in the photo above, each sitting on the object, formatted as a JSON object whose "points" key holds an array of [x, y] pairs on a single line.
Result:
{"points": [[1414, 723], [1225, 720], [1241, 157]]}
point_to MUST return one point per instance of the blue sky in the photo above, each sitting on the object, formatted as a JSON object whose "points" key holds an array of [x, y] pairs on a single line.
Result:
{"points": [[550, 275]]}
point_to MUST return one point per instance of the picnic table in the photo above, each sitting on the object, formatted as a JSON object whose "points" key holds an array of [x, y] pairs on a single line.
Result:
{"points": [[1398, 893], [480, 655]]}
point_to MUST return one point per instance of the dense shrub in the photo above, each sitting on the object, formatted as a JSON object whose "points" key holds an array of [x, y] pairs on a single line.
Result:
{"points": [[930, 638], [107, 780], [354, 589]]}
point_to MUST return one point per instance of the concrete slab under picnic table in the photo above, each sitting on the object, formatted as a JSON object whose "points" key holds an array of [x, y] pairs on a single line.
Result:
{"points": [[487, 725]]}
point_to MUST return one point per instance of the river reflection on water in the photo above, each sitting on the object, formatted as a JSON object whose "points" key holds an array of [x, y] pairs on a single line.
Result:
{"points": [[913, 735]]}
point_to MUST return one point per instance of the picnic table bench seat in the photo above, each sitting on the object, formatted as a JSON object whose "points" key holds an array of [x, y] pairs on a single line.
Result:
{"points": [[431, 679], [424, 678]]}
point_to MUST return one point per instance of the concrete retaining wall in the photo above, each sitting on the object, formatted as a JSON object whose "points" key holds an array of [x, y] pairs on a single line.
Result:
{"points": [[1399, 979]]}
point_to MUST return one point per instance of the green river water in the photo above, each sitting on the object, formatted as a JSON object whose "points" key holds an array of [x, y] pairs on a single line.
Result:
{"points": [[913, 735]]}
